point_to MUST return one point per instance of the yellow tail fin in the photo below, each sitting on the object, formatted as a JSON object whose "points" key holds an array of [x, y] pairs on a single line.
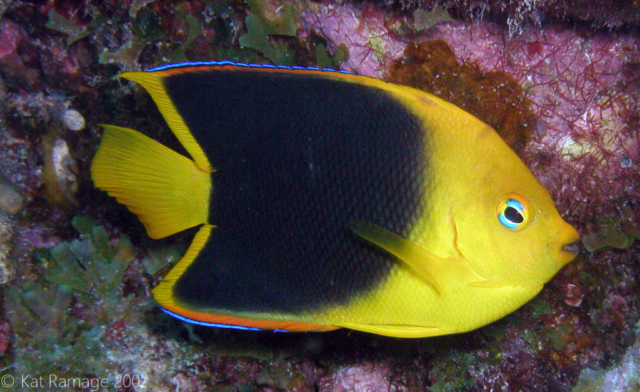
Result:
{"points": [[167, 191]]}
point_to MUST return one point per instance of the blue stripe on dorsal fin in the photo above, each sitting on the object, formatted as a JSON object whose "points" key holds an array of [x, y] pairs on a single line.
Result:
{"points": [[208, 63]]}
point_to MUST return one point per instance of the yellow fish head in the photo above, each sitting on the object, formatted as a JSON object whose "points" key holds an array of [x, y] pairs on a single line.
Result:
{"points": [[520, 238]]}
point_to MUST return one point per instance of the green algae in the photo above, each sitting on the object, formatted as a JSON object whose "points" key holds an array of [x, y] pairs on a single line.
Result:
{"points": [[452, 372], [128, 54], [235, 55], [91, 266], [60, 321], [145, 29], [280, 20], [264, 22], [40, 310], [257, 39], [195, 28], [137, 5], [73, 31], [608, 236], [614, 231], [423, 19], [157, 259], [4, 4], [248, 387], [325, 60], [61, 24], [557, 336], [147, 25], [379, 48], [539, 307], [7, 267]]}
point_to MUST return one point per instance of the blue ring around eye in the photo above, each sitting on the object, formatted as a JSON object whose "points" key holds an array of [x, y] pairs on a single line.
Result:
{"points": [[515, 204], [506, 222]]}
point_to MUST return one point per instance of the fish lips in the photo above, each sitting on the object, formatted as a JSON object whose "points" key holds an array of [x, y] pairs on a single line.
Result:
{"points": [[568, 246]]}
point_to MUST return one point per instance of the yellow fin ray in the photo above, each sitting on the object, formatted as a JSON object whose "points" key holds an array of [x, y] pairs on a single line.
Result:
{"points": [[420, 260], [497, 284], [165, 189], [152, 82], [396, 331]]}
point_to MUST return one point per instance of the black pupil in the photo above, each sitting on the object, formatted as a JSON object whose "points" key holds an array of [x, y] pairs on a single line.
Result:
{"points": [[513, 215]]}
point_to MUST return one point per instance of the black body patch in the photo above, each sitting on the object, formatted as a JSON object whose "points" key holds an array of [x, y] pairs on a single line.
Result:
{"points": [[297, 157]]}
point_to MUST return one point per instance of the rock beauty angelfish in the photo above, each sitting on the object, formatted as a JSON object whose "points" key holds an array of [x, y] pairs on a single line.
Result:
{"points": [[325, 200]]}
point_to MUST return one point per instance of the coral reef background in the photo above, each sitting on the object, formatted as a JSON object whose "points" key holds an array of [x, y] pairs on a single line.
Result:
{"points": [[559, 80]]}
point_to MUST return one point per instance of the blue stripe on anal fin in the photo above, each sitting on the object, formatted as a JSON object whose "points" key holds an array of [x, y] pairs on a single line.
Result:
{"points": [[205, 324]]}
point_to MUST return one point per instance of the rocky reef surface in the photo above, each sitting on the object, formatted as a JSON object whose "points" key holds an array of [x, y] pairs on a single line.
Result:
{"points": [[559, 80]]}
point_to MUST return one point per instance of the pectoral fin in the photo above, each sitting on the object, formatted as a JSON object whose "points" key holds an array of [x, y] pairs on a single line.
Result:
{"points": [[425, 263]]}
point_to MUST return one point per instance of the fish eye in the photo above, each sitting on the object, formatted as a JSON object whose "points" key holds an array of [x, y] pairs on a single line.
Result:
{"points": [[515, 212]]}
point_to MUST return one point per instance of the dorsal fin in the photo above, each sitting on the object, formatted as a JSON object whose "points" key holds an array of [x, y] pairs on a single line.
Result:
{"points": [[152, 82]]}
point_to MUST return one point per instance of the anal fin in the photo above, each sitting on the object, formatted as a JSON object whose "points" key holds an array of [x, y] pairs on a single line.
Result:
{"points": [[396, 331], [496, 284]]}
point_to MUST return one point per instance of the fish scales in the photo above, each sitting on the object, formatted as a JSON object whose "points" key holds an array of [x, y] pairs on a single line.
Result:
{"points": [[325, 200], [302, 173]]}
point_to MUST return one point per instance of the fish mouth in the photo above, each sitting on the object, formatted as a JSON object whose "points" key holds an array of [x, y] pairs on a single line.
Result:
{"points": [[567, 245], [573, 247], [570, 245], [568, 252]]}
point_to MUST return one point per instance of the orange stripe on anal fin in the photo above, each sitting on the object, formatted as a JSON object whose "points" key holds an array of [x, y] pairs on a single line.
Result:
{"points": [[163, 294], [286, 325]]}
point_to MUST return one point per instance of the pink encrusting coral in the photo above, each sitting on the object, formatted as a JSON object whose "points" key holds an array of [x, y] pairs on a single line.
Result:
{"points": [[10, 37], [76, 300], [362, 30], [584, 89], [583, 86], [364, 376]]}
